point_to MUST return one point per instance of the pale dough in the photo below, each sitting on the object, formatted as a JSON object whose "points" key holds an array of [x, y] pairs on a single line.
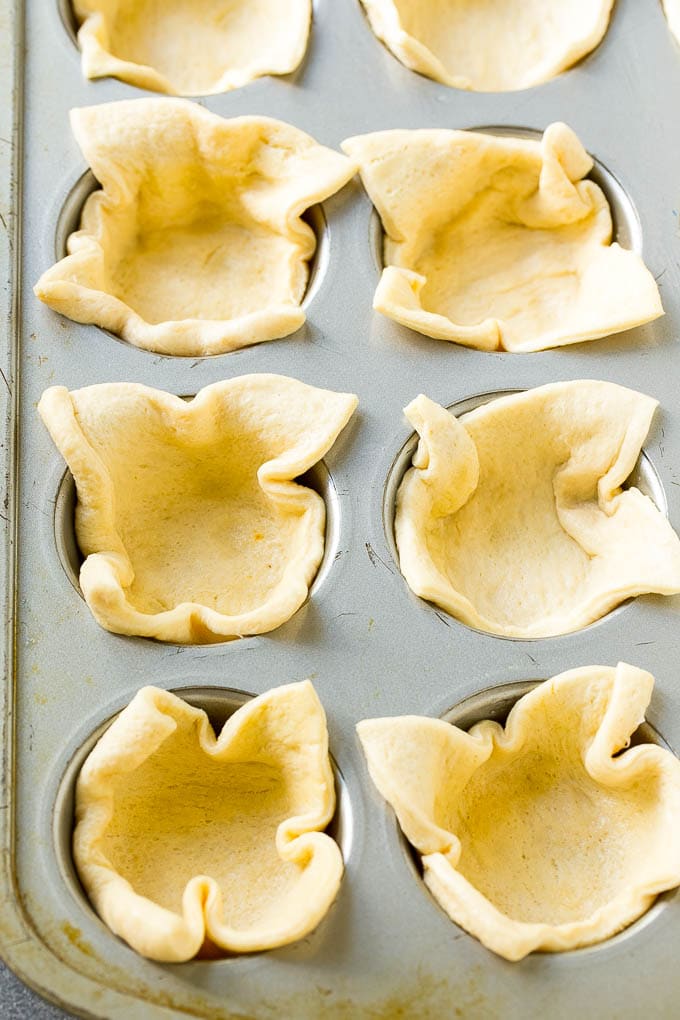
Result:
{"points": [[535, 836], [490, 45], [498, 242], [191, 47], [513, 518], [182, 837], [194, 245], [672, 12], [189, 517]]}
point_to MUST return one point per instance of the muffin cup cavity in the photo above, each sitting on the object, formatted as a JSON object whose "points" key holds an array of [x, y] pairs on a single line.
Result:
{"points": [[644, 477], [219, 704], [494, 703], [69, 219], [71, 558], [68, 20]]}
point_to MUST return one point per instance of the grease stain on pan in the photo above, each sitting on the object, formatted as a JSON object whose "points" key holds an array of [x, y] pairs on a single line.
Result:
{"points": [[75, 937], [430, 998]]}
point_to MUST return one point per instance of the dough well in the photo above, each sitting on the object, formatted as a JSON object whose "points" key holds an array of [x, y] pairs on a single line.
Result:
{"points": [[497, 242], [191, 47], [514, 518], [535, 836], [182, 836], [191, 522], [195, 244], [490, 45]]}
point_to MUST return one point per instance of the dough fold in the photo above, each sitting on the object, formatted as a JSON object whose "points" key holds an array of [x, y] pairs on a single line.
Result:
{"points": [[191, 522], [183, 838], [514, 519], [492, 46], [498, 242], [534, 836], [195, 244], [191, 47]]}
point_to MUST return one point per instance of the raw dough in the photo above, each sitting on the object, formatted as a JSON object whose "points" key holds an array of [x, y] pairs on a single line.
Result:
{"points": [[672, 12], [191, 47], [189, 518], [490, 45], [497, 242], [195, 244], [513, 518], [180, 836], [536, 837]]}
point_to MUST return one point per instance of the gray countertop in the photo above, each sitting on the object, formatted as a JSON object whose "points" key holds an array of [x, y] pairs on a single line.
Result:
{"points": [[17, 1002]]}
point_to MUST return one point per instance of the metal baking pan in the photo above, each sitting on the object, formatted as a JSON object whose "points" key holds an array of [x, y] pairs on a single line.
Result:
{"points": [[371, 648]]}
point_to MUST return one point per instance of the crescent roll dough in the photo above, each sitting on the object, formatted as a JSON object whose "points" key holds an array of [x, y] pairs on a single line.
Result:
{"points": [[194, 245], [191, 47], [183, 837], [513, 518], [535, 836], [489, 45], [498, 242], [189, 516], [672, 12]]}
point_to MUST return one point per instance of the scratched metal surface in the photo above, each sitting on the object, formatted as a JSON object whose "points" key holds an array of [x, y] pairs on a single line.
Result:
{"points": [[371, 648]]}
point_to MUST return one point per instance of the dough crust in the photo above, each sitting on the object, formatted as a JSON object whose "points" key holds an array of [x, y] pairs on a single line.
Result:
{"points": [[498, 242], [189, 517], [535, 836], [513, 518], [194, 245], [191, 47], [672, 11], [182, 837], [490, 45]]}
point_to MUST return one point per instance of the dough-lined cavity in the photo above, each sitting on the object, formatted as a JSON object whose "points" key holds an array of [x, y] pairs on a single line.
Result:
{"points": [[191, 47], [195, 244], [490, 45], [498, 242], [183, 837], [535, 836], [514, 519], [189, 517]]}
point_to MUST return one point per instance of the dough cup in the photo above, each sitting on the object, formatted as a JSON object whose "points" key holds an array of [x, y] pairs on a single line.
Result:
{"points": [[507, 45], [195, 244], [513, 518], [192, 524], [499, 243], [539, 835], [192, 48], [183, 838]]}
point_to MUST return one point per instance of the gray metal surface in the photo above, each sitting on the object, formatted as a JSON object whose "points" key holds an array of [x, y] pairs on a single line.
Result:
{"points": [[371, 648]]}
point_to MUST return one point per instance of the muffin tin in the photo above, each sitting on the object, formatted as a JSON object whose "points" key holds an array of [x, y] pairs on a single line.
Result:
{"points": [[370, 647]]}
